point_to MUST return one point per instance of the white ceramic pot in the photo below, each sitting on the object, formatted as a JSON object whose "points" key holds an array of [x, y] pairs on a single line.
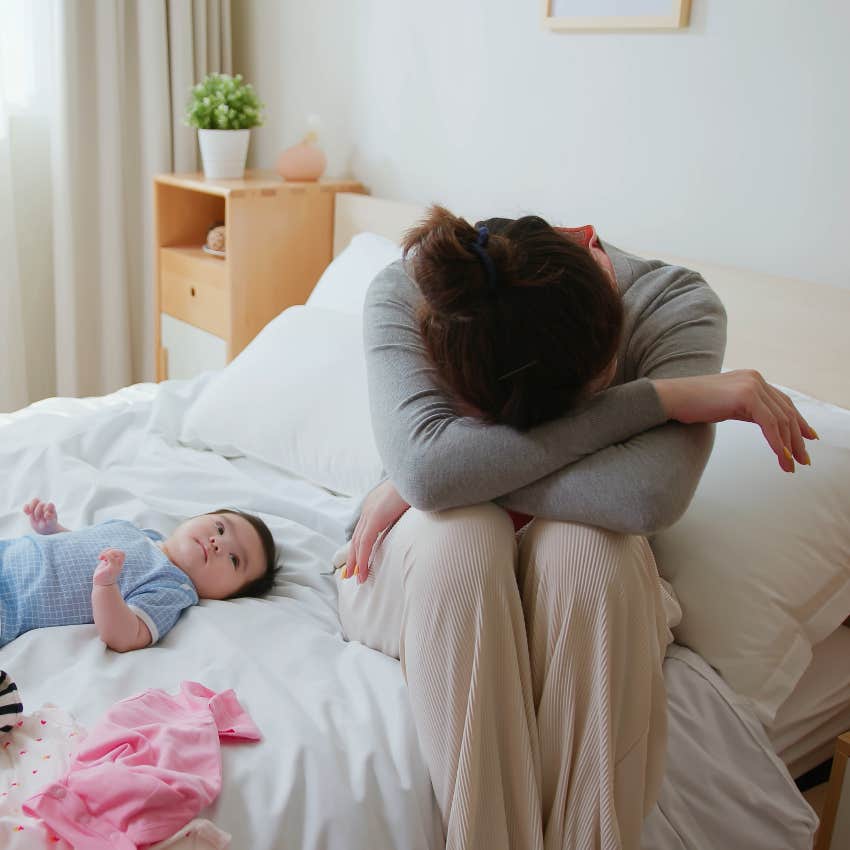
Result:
{"points": [[224, 152]]}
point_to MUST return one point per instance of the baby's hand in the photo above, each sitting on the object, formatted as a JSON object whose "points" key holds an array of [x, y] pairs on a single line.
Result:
{"points": [[108, 567], [42, 516]]}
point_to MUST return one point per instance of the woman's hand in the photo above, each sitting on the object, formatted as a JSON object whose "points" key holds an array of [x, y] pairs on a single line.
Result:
{"points": [[743, 395], [381, 510]]}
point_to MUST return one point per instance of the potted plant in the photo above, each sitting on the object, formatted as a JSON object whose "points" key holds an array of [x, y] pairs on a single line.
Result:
{"points": [[224, 109]]}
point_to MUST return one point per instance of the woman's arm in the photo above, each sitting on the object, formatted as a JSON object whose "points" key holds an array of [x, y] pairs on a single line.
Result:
{"points": [[439, 460], [646, 484], [638, 487]]}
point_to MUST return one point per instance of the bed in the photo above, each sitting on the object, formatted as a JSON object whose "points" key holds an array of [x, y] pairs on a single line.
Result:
{"points": [[339, 764]]}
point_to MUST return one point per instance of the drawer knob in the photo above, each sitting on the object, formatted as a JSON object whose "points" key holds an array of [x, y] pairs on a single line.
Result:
{"points": [[192, 290]]}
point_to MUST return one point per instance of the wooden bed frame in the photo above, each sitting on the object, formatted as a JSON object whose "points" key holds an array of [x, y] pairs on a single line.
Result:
{"points": [[794, 332]]}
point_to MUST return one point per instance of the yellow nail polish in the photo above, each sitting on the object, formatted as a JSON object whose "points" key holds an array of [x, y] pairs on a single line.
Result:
{"points": [[788, 454], [816, 434], [806, 459]]}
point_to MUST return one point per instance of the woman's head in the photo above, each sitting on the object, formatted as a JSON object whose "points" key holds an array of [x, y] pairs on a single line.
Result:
{"points": [[519, 320]]}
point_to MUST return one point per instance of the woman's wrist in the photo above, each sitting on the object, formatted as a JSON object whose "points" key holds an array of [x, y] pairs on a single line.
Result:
{"points": [[667, 390]]}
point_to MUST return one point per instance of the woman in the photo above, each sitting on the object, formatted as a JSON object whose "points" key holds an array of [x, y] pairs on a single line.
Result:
{"points": [[514, 365]]}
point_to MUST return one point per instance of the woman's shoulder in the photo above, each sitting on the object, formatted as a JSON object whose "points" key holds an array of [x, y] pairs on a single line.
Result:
{"points": [[393, 286], [652, 281], [630, 268]]}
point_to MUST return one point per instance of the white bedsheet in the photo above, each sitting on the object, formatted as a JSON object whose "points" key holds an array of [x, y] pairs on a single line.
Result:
{"points": [[818, 710], [725, 788], [339, 766]]}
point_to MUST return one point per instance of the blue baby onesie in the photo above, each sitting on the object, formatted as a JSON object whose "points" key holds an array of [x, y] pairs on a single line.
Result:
{"points": [[46, 580]]}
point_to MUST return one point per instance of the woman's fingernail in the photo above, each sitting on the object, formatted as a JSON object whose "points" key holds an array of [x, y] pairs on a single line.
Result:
{"points": [[788, 454], [816, 434], [806, 459]]}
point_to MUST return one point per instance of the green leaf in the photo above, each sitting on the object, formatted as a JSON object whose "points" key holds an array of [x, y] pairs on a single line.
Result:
{"points": [[222, 102]]}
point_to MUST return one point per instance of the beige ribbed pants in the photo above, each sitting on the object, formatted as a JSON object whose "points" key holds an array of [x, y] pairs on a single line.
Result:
{"points": [[533, 664]]}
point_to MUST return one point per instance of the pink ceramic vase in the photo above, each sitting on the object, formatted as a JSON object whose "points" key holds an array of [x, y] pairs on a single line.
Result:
{"points": [[304, 161]]}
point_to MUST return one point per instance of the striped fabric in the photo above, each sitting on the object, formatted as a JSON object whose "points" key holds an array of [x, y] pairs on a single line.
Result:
{"points": [[10, 703], [533, 663]]}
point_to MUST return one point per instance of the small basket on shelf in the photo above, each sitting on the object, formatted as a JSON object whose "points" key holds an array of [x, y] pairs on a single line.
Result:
{"points": [[216, 243]]}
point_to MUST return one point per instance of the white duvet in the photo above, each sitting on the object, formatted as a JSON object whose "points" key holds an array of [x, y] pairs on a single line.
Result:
{"points": [[339, 765]]}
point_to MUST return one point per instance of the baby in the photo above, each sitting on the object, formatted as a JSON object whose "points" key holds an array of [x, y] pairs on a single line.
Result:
{"points": [[133, 583]]}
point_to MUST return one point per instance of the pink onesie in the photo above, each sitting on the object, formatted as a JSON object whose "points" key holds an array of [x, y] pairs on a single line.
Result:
{"points": [[145, 770]]}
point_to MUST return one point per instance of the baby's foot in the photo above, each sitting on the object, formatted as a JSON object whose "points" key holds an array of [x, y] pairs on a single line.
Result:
{"points": [[42, 516], [108, 567]]}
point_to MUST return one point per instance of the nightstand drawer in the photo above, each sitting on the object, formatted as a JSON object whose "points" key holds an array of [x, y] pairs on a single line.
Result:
{"points": [[194, 289], [188, 351]]}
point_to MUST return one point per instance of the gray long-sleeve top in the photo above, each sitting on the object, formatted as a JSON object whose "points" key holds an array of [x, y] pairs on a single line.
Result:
{"points": [[615, 461]]}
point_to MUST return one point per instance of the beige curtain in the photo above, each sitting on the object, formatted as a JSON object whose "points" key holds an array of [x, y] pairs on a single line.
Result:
{"points": [[123, 70], [26, 300]]}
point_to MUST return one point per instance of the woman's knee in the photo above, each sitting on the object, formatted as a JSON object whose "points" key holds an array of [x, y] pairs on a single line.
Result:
{"points": [[474, 545], [581, 562]]}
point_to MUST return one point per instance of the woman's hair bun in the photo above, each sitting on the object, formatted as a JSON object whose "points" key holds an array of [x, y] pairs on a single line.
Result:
{"points": [[518, 329], [449, 274]]}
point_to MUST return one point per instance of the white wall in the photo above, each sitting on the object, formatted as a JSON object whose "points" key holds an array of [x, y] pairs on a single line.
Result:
{"points": [[728, 141]]}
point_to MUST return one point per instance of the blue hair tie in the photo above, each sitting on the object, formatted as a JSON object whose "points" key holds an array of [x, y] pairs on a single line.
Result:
{"points": [[479, 248]]}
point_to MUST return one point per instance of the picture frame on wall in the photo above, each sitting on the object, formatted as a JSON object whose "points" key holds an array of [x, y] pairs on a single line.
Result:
{"points": [[588, 15]]}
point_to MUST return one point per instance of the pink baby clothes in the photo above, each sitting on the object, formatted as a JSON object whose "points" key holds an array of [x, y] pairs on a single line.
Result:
{"points": [[145, 770]]}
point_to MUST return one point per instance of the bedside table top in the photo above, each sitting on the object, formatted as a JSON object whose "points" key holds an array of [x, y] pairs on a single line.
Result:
{"points": [[255, 180]]}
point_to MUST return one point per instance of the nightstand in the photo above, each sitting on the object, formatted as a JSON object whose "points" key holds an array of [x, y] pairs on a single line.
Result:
{"points": [[279, 238], [834, 830]]}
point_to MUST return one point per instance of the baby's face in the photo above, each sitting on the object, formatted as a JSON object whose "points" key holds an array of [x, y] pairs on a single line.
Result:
{"points": [[220, 553]]}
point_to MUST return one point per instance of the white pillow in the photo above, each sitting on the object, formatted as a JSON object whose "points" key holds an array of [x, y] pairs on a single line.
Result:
{"points": [[761, 559], [295, 398], [345, 281]]}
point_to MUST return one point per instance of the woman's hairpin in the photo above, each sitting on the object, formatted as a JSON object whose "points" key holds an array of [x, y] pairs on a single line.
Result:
{"points": [[517, 371]]}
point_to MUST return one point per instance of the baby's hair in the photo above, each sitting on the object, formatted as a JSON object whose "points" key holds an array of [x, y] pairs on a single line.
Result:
{"points": [[262, 585]]}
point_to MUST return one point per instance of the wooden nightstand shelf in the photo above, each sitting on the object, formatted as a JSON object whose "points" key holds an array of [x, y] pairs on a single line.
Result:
{"points": [[279, 241], [834, 830]]}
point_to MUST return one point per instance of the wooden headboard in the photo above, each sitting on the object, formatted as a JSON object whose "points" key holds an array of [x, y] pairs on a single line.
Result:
{"points": [[795, 333]]}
